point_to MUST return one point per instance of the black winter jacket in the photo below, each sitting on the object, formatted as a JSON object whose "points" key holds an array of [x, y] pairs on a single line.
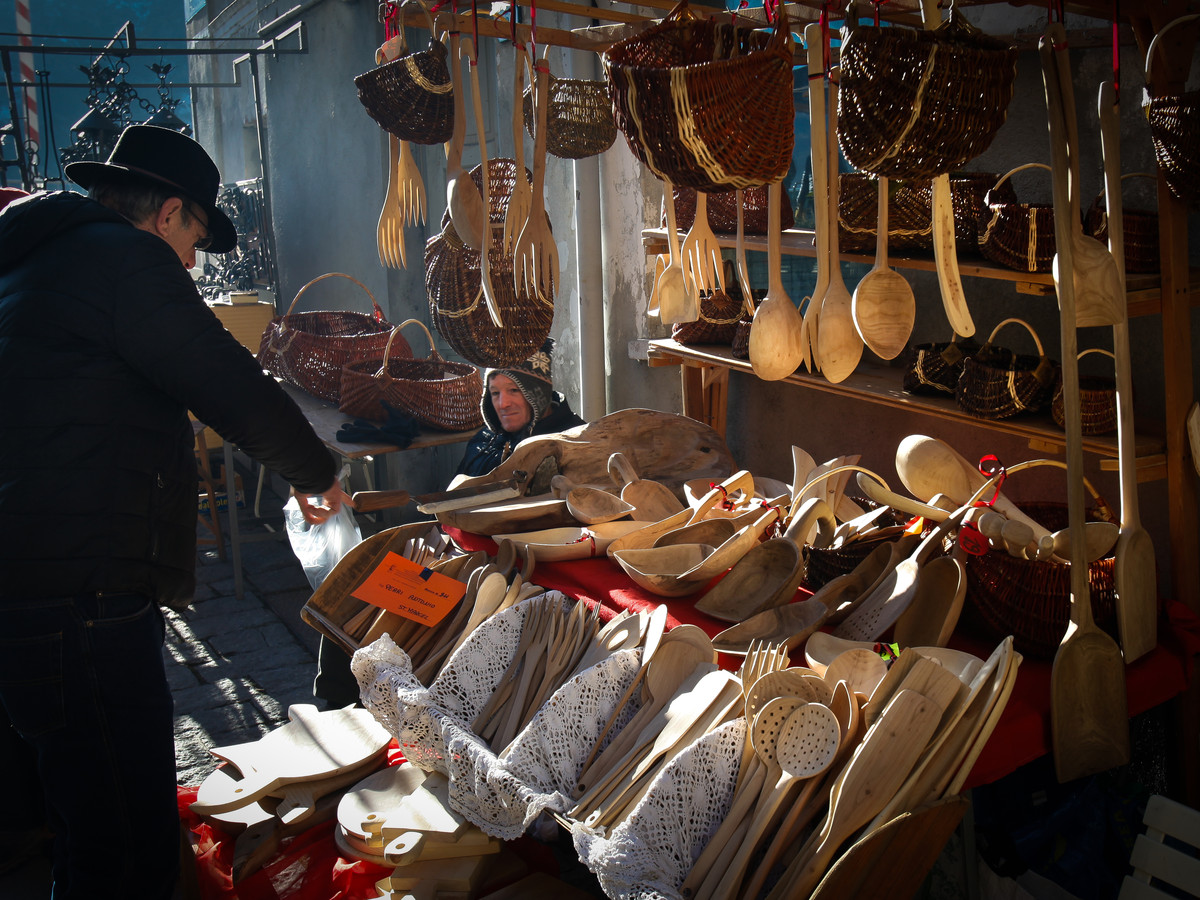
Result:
{"points": [[105, 344], [491, 447]]}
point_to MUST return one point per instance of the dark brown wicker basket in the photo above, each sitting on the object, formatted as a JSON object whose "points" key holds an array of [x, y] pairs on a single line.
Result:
{"points": [[722, 210], [1097, 401], [1174, 121], [1031, 599], [412, 96], [1018, 235], [434, 391], [969, 193], [309, 349], [453, 285], [579, 118], [933, 368], [997, 383], [680, 93], [910, 216], [914, 104], [720, 312], [1140, 232]]}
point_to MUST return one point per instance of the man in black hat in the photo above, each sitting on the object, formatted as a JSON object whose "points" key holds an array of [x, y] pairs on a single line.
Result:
{"points": [[518, 402], [105, 344]]}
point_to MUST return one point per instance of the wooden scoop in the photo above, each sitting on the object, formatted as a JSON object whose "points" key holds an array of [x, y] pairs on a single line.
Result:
{"points": [[884, 306], [593, 507], [790, 624], [713, 532], [765, 578], [652, 501], [933, 614]]}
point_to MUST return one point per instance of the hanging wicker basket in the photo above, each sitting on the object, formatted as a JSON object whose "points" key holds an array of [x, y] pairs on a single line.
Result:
{"points": [[1174, 121], [434, 391], [681, 92], [309, 349], [579, 117], [722, 210], [412, 96], [914, 104]]}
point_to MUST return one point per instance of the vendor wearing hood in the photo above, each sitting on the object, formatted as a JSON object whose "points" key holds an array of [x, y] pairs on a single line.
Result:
{"points": [[518, 402]]}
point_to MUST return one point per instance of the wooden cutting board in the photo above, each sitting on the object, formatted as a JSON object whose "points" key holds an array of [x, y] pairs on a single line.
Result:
{"points": [[311, 746], [397, 800]]}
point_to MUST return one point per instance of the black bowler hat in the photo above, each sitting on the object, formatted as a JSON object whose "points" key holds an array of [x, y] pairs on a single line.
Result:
{"points": [[150, 153]]}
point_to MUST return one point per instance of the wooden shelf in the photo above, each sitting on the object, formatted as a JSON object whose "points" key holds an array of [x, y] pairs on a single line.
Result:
{"points": [[1143, 290], [882, 385]]}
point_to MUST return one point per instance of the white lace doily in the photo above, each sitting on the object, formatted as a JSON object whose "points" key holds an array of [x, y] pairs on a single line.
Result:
{"points": [[648, 856], [502, 795]]}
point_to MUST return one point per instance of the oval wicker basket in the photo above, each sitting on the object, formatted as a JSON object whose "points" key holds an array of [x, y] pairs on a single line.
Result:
{"points": [[914, 104], [579, 117], [1097, 400], [309, 349], [1174, 121], [453, 286], [434, 391], [680, 88], [1140, 231], [997, 383], [933, 368], [1018, 235]]}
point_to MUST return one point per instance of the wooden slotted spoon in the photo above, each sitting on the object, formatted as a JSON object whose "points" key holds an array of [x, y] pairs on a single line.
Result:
{"points": [[1137, 592], [883, 304], [838, 343]]}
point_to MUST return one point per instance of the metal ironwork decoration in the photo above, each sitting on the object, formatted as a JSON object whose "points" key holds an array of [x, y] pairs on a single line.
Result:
{"points": [[249, 266]]}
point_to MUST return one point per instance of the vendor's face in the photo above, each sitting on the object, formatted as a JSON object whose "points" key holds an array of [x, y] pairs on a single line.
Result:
{"points": [[510, 404]]}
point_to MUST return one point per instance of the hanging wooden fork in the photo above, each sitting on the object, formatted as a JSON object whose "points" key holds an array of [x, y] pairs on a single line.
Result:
{"points": [[389, 233]]}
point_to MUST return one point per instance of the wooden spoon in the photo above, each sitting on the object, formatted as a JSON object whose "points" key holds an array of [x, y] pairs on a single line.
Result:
{"points": [[1089, 720], [1137, 591], [1097, 283], [839, 346], [652, 501], [678, 299], [884, 306], [463, 199], [814, 45], [777, 332], [945, 248]]}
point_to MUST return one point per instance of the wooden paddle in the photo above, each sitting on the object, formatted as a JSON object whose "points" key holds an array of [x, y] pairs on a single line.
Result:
{"points": [[1089, 720], [1137, 590]]}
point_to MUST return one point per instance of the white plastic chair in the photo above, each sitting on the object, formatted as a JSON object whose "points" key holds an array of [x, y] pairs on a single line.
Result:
{"points": [[1167, 854]]}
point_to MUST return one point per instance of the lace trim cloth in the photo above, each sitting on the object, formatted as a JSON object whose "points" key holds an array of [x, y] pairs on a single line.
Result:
{"points": [[502, 794], [648, 856]]}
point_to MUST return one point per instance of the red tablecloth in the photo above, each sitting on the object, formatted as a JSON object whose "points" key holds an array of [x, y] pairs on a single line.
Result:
{"points": [[1023, 732]]}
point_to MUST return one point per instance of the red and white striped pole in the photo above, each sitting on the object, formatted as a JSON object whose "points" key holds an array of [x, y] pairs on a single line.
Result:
{"points": [[28, 75]]}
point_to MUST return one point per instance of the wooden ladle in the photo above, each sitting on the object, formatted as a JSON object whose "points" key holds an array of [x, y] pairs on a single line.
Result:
{"points": [[883, 304]]}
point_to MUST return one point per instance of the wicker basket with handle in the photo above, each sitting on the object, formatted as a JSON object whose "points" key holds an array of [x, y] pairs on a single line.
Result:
{"points": [[1140, 231], [997, 383], [579, 117], [1018, 235], [1097, 400], [434, 391], [680, 92], [309, 349], [1174, 121]]}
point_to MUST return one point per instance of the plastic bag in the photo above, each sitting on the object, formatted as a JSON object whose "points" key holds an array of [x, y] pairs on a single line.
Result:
{"points": [[320, 547]]}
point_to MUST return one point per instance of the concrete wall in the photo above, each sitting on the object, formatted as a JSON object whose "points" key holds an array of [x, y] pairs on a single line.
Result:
{"points": [[327, 161]]}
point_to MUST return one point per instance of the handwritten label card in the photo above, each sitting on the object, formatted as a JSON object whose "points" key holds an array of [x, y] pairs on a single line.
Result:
{"points": [[401, 586]]}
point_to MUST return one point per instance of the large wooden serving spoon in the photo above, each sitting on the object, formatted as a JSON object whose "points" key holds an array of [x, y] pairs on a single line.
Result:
{"points": [[777, 330], [1137, 592], [884, 305]]}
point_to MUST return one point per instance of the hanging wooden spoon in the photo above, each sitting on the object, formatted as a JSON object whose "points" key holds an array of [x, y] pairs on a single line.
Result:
{"points": [[814, 44], [777, 331], [1098, 285], [839, 345], [1137, 592], [945, 249], [884, 306], [463, 199]]}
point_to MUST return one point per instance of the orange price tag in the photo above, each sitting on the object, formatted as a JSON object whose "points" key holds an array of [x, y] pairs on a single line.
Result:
{"points": [[401, 586]]}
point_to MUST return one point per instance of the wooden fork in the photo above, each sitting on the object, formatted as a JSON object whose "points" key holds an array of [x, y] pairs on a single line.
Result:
{"points": [[389, 234]]}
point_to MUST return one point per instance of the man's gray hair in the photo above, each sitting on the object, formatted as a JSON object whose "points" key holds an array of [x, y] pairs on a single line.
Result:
{"points": [[137, 201]]}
